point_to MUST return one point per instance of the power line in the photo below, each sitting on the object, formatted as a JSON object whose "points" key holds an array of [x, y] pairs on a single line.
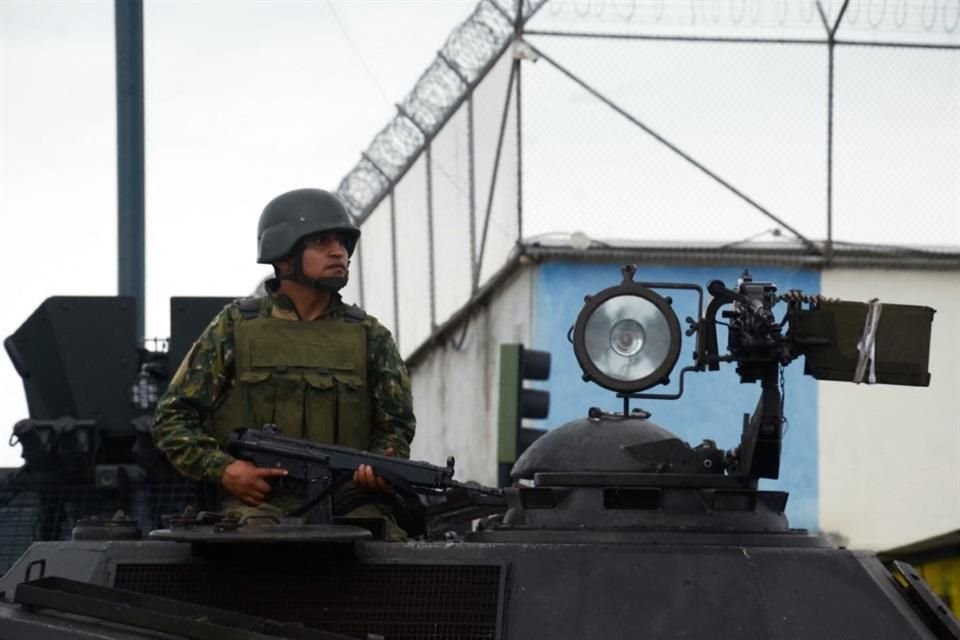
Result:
{"points": [[356, 50]]}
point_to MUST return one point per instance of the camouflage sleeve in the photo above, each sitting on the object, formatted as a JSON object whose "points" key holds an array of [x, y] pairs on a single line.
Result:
{"points": [[393, 420], [194, 391]]}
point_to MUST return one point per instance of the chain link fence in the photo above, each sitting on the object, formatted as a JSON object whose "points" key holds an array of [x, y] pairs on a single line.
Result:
{"points": [[33, 511], [616, 123]]}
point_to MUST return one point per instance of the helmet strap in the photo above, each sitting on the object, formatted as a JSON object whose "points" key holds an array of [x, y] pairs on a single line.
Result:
{"points": [[331, 285]]}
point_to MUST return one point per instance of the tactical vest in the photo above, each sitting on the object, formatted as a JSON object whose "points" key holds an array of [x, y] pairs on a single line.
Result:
{"points": [[308, 378]]}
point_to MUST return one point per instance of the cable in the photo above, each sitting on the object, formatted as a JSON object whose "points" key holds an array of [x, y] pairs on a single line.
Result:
{"points": [[356, 50]]}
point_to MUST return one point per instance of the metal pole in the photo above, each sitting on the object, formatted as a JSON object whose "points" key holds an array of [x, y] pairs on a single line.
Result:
{"points": [[831, 47], [393, 258], [430, 250], [496, 170], [359, 259], [518, 32], [828, 249], [472, 177], [431, 273], [480, 75], [518, 35], [131, 270], [471, 162], [519, 160], [393, 246]]}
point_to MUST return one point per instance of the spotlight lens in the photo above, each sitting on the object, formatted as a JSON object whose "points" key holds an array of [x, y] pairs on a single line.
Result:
{"points": [[627, 337]]}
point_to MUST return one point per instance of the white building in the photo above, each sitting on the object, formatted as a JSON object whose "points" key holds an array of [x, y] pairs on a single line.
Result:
{"points": [[543, 149]]}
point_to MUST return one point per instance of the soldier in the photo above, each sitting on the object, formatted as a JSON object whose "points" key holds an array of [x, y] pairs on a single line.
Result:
{"points": [[299, 358]]}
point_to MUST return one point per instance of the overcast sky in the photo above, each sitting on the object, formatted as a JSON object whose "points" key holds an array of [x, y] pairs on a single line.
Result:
{"points": [[244, 100], [247, 99]]}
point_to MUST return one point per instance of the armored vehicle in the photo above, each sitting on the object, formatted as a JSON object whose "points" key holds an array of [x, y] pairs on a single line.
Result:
{"points": [[613, 527]]}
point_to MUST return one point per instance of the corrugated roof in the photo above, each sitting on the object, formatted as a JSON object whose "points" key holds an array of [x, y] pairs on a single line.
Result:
{"points": [[784, 252]]}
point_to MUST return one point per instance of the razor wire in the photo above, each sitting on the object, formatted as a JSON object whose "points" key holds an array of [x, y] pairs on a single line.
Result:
{"points": [[459, 76], [476, 43], [462, 61]]}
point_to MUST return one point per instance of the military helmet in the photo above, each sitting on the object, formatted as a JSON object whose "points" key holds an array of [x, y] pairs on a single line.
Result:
{"points": [[294, 215]]}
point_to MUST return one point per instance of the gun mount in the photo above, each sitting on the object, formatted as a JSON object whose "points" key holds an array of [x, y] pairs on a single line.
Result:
{"points": [[616, 474]]}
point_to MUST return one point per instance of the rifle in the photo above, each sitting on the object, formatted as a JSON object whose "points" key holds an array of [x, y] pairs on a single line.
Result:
{"points": [[323, 467]]}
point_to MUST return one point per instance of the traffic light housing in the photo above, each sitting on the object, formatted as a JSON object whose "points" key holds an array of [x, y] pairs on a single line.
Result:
{"points": [[518, 364]]}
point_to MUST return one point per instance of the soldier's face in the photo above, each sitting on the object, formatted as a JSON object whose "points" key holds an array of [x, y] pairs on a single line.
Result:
{"points": [[325, 256]]}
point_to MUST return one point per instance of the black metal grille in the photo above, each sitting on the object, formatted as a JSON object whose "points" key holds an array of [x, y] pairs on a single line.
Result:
{"points": [[395, 601], [31, 512], [19, 520]]}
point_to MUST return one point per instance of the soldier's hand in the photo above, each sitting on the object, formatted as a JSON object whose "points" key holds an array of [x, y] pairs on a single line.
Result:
{"points": [[365, 478], [248, 481]]}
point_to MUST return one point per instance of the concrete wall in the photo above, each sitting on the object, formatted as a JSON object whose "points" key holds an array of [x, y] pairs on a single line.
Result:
{"points": [[455, 391], [888, 455]]}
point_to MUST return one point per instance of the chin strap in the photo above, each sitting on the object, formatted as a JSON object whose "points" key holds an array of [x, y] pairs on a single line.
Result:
{"points": [[320, 284]]}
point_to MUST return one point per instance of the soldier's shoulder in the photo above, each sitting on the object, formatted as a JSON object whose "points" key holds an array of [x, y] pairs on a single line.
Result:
{"points": [[375, 328], [353, 313], [249, 307], [237, 310], [372, 323]]}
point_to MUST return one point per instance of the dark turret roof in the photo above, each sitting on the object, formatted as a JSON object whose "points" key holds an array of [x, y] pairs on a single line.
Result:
{"points": [[590, 445]]}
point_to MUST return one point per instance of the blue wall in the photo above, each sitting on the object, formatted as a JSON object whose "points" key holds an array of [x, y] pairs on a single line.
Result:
{"points": [[713, 403]]}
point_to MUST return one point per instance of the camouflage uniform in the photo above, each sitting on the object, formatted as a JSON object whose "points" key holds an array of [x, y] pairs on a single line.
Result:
{"points": [[206, 377]]}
